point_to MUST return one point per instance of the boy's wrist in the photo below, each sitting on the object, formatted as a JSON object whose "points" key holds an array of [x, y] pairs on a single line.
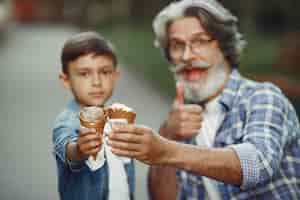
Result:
{"points": [[79, 153], [74, 153]]}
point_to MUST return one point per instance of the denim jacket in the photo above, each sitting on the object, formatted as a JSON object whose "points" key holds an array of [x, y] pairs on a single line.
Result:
{"points": [[75, 179]]}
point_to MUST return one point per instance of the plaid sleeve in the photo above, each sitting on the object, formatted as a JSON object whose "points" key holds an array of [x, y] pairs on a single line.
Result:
{"points": [[249, 163], [265, 135]]}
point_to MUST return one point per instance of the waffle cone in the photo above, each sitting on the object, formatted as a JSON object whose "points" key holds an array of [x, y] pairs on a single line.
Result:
{"points": [[98, 125], [120, 114]]}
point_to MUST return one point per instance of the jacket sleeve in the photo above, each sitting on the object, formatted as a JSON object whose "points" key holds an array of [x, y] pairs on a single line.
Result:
{"points": [[64, 131]]}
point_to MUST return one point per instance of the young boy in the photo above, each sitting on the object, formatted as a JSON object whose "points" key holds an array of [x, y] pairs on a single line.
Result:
{"points": [[90, 72]]}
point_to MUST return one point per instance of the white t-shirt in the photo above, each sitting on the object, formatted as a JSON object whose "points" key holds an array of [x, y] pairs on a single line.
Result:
{"points": [[213, 116]]}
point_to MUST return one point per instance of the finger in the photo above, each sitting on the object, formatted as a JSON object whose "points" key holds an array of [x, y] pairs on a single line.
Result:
{"points": [[93, 151], [84, 130], [122, 127], [117, 124], [190, 126], [88, 133], [194, 118], [124, 145], [126, 153], [192, 108], [179, 99], [190, 132], [190, 117], [125, 137], [132, 128], [86, 142], [89, 137], [90, 146]]}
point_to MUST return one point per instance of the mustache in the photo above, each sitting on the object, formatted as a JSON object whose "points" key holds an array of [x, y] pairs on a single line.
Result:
{"points": [[196, 64]]}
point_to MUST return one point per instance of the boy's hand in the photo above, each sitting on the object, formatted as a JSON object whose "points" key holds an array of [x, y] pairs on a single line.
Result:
{"points": [[89, 142], [184, 120]]}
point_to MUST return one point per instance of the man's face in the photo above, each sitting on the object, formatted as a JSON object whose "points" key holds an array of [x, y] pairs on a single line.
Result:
{"points": [[200, 64], [91, 79]]}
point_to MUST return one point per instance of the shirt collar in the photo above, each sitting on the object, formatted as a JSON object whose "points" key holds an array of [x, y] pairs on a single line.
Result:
{"points": [[73, 106], [229, 93]]}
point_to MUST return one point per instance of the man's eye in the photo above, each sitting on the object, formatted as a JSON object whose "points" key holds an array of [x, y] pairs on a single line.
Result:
{"points": [[198, 42], [201, 41], [176, 46]]}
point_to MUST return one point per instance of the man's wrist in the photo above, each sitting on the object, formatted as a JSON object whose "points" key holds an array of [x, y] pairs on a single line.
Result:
{"points": [[169, 152]]}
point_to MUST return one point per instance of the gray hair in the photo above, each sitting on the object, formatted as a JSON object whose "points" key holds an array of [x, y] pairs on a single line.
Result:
{"points": [[217, 21]]}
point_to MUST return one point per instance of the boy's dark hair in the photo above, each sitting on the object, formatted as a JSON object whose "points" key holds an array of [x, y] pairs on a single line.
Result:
{"points": [[83, 44]]}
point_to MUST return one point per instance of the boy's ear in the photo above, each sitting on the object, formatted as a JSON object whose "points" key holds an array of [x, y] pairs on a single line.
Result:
{"points": [[116, 74], [64, 80]]}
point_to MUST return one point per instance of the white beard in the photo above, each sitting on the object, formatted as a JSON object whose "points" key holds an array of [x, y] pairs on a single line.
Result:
{"points": [[201, 90]]}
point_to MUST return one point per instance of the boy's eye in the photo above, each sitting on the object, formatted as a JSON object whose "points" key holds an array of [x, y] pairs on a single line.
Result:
{"points": [[84, 74], [107, 72]]}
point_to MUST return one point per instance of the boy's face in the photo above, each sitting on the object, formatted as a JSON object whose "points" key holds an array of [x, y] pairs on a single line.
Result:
{"points": [[91, 79]]}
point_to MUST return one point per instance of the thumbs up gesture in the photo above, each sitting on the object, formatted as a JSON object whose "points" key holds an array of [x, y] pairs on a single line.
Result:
{"points": [[184, 120]]}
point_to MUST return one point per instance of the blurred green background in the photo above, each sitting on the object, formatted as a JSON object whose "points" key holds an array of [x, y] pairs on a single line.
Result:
{"points": [[271, 29]]}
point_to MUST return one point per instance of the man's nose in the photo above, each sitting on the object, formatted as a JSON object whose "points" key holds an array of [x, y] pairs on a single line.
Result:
{"points": [[188, 54]]}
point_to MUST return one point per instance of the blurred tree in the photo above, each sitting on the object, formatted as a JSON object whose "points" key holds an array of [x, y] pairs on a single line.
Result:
{"points": [[289, 54], [143, 9], [278, 16], [245, 10], [28, 11], [94, 12]]}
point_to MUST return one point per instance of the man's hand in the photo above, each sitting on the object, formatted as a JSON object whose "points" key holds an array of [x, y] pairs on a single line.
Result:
{"points": [[145, 145], [89, 142], [138, 142], [183, 121]]}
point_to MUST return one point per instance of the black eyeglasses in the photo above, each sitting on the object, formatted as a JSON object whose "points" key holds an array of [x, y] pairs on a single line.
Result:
{"points": [[197, 45]]}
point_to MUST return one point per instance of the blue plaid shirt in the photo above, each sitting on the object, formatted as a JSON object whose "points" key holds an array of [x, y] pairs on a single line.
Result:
{"points": [[262, 127]]}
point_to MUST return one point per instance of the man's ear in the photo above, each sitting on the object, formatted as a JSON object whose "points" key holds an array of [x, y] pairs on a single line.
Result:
{"points": [[64, 80]]}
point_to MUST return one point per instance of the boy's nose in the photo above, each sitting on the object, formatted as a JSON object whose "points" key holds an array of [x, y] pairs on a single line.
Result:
{"points": [[96, 80]]}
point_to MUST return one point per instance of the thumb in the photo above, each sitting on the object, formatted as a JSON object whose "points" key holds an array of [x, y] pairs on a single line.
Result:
{"points": [[179, 99]]}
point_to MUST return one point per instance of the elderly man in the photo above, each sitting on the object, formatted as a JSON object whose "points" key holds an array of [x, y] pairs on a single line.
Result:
{"points": [[229, 137]]}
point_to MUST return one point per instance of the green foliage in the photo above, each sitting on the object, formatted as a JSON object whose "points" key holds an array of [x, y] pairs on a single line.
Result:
{"points": [[260, 53]]}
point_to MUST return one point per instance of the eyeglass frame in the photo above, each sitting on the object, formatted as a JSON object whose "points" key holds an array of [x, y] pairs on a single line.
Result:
{"points": [[196, 50]]}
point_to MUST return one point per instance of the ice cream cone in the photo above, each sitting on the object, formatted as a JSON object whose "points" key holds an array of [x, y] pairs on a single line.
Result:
{"points": [[119, 114], [120, 111], [92, 117]]}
